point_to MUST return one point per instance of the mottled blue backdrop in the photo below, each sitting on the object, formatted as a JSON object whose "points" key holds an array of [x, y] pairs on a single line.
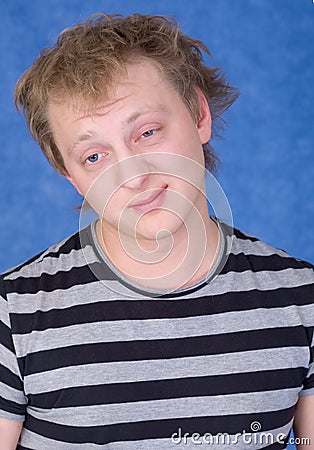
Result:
{"points": [[267, 171]]}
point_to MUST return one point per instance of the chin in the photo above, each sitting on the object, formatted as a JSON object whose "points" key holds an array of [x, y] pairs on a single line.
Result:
{"points": [[158, 224]]}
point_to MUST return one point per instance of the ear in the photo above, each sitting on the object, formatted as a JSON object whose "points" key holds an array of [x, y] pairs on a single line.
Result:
{"points": [[204, 123]]}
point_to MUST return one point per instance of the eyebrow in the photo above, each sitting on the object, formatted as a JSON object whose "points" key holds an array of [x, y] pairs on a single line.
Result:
{"points": [[88, 135], [84, 137], [133, 117]]}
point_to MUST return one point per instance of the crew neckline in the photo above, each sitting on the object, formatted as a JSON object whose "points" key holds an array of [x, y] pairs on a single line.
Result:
{"points": [[215, 269]]}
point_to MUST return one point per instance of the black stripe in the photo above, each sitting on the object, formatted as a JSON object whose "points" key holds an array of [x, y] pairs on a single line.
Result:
{"points": [[71, 243], [65, 279], [258, 263], [23, 264], [309, 382], [5, 337], [168, 389], [272, 447], [162, 348], [240, 235], [12, 407], [158, 309], [278, 446], [155, 429], [61, 280], [9, 378], [2, 290]]}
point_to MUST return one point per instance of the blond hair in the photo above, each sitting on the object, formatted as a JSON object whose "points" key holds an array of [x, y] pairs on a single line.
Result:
{"points": [[86, 59]]}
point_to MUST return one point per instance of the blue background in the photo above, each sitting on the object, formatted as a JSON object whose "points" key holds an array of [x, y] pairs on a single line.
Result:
{"points": [[267, 171]]}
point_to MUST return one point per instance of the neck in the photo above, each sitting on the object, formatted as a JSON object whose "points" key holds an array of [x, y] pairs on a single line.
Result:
{"points": [[171, 262]]}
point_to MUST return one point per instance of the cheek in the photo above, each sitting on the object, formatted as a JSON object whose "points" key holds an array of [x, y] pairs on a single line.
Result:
{"points": [[80, 183], [78, 176], [188, 139], [192, 148]]}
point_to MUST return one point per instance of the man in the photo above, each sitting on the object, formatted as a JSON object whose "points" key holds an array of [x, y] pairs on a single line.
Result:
{"points": [[157, 325]]}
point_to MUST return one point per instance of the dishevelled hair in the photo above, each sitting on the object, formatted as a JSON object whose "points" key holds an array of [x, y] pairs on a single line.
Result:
{"points": [[87, 59]]}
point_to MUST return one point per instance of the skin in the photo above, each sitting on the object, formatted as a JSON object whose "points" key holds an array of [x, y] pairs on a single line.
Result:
{"points": [[304, 421], [10, 431]]}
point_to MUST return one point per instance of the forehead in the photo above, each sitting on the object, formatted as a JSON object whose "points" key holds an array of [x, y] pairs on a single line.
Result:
{"points": [[143, 90], [143, 81]]}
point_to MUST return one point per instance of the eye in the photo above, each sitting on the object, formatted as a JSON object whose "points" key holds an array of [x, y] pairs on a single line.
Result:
{"points": [[148, 133], [92, 159]]}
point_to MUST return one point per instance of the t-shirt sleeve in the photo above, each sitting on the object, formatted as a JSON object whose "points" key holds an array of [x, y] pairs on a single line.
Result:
{"points": [[308, 385], [307, 316], [12, 397]]}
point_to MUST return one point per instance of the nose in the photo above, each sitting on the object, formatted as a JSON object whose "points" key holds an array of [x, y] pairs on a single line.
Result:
{"points": [[133, 171], [135, 183]]}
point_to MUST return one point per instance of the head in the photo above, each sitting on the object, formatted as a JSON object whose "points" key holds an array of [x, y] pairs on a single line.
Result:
{"points": [[88, 59]]}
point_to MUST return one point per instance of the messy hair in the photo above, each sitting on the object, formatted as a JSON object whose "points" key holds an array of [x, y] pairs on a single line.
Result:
{"points": [[87, 58]]}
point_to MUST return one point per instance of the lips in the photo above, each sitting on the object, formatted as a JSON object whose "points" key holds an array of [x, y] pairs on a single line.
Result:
{"points": [[152, 202]]}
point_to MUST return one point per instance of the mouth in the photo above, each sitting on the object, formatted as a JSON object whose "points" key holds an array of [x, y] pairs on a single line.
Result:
{"points": [[154, 201]]}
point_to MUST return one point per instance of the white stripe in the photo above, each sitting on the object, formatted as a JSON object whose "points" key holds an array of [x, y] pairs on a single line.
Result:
{"points": [[8, 360], [156, 329], [31, 439], [109, 290], [262, 280], [173, 408], [4, 315], [34, 440], [54, 248], [311, 370], [66, 298], [9, 393], [52, 265], [57, 299], [151, 370], [256, 248], [11, 416]]}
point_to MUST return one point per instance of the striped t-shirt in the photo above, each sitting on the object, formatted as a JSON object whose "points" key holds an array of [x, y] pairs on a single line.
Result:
{"points": [[89, 362]]}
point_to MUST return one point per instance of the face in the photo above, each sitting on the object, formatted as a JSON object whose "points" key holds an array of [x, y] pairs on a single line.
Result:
{"points": [[116, 144]]}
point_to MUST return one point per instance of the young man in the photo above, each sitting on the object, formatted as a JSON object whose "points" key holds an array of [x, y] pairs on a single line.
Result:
{"points": [[157, 325]]}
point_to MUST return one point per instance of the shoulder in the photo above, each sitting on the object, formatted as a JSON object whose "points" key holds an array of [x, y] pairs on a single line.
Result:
{"points": [[264, 256], [253, 265], [45, 258], [42, 271]]}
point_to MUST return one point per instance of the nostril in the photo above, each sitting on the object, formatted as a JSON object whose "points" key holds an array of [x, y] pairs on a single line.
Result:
{"points": [[135, 182]]}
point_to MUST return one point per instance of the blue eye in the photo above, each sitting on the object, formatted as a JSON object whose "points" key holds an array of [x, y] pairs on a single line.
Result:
{"points": [[148, 133], [93, 158]]}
